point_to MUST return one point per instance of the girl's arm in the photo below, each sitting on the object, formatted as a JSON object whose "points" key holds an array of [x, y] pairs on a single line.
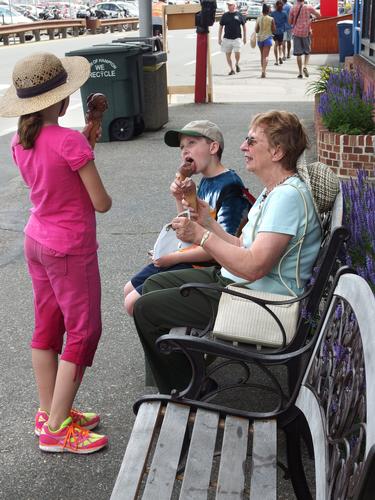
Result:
{"points": [[99, 197]]}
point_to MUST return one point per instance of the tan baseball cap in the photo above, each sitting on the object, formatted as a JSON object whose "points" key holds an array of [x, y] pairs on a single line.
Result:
{"points": [[197, 128]]}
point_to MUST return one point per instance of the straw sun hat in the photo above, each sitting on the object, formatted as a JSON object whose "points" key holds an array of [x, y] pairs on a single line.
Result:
{"points": [[41, 80]]}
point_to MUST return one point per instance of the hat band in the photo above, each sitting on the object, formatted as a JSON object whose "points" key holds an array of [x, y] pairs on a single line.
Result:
{"points": [[41, 88]]}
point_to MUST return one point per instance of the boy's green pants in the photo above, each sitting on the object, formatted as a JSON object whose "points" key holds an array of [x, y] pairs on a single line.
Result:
{"points": [[162, 307]]}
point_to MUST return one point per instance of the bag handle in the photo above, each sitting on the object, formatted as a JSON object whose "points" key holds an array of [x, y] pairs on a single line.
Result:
{"points": [[299, 242], [298, 13]]}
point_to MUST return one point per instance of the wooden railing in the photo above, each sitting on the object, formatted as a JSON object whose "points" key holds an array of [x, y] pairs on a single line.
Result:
{"points": [[119, 23], [61, 26]]}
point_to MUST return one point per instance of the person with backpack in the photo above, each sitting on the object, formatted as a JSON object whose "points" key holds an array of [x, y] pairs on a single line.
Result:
{"points": [[300, 20], [281, 23], [201, 143]]}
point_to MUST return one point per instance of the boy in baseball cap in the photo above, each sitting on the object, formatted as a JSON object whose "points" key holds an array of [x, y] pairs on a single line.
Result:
{"points": [[201, 144]]}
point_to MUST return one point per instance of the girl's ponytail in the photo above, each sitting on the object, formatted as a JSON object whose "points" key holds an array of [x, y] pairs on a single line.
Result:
{"points": [[28, 129]]}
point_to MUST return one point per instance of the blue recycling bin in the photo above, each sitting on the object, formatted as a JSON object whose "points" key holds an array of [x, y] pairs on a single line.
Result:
{"points": [[345, 32]]}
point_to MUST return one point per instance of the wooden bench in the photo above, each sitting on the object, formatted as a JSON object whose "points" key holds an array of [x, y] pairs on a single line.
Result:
{"points": [[311, 305], [195, 450], [36, 27]]}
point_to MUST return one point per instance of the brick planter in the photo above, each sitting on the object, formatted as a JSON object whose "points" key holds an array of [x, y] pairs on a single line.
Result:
{"points": [[345, 154]]}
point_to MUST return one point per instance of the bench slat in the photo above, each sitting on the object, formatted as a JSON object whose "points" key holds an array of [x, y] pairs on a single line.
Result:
{"points": [[264, 466], [134, 461], [199, 462], [164, 464], [231, 479]]}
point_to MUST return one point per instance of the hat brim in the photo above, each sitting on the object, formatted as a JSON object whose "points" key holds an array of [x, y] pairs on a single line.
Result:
{"points": [[78, 69], [172, 137]]}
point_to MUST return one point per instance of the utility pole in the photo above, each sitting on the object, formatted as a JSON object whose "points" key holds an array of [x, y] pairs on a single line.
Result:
{"points": [[145, 18]]}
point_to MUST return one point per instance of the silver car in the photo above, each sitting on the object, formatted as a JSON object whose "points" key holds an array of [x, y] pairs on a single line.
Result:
{"points": [[254, 9]]}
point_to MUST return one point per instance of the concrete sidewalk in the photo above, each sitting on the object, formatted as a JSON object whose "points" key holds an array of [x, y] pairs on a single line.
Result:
{"points": [[137, 174]]}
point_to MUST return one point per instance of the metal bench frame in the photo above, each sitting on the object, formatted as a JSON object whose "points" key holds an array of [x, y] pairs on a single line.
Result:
{"points": [[335, 393], [311, 308]]}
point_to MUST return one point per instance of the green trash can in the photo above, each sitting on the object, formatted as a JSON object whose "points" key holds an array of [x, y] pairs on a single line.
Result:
{"points": [[155, 88], [117, 72]]}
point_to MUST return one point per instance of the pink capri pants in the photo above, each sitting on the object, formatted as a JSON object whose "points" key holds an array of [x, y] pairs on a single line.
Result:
{"points": [[67, 297]]}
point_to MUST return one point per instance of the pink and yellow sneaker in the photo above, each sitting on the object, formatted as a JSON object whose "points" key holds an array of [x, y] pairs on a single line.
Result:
{"points": [[70, 438], [87, 421]]}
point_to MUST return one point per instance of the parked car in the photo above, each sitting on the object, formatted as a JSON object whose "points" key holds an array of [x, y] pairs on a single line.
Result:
{"points": [[221, 7], [112, 9], [9, 15], [254, 9], [242, 7], [131, 8]]}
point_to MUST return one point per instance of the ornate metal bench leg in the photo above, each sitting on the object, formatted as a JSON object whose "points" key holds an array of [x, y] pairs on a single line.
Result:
{"points": [[295, 465]]}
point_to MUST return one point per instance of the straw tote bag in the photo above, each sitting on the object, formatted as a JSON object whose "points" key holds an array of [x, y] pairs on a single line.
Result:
{"points": [[243, 320], [253, 40]]}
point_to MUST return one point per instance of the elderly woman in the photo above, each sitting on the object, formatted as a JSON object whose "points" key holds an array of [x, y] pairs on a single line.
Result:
{"points": [[275, 252]]}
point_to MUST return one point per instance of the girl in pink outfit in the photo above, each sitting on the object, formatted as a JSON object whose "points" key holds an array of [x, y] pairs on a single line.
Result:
{"points": [[57, 164]]}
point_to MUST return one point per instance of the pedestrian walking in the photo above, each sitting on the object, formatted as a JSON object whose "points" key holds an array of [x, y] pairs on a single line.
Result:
{"points": [[157, 17], [287, 41], [300, 20], [232, 22], [264, 27], [57, 165], [281, 21]]}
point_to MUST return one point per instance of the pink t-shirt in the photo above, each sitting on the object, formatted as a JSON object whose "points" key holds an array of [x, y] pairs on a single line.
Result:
{"points": [[62, 215], [302, 27]]}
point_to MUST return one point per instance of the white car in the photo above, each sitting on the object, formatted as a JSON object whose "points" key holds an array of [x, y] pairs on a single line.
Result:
{"points": [[11, 16], [112, 9], [254, 9]]}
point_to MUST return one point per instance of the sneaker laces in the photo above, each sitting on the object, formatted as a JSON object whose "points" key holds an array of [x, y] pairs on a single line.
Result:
{"points": [[75, 433]]}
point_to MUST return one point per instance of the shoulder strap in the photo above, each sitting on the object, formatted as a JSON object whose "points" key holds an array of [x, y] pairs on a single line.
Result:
{"points": [[298, 243], [231, 191], [298, 13]]}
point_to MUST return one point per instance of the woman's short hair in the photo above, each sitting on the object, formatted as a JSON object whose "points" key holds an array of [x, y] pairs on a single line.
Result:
{"points": [[283, 129]]}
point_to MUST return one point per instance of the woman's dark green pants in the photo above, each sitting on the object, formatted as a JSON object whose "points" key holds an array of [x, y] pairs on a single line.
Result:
{"points": [[162, 307]]}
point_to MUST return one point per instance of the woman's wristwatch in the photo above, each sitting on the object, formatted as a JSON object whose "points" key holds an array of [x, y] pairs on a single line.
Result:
{"points": [[205, 237]]}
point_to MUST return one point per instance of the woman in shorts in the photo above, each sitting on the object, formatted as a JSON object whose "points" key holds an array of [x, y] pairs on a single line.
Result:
{"points": [[265, 27]]}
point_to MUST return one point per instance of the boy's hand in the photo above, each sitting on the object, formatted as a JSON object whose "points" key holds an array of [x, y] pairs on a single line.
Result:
{"points": [[204, 215], [169, 260], [178, 188]]}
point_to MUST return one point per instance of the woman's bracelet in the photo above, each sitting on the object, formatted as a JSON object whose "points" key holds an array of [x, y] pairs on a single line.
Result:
{"points": [[205, 237]]}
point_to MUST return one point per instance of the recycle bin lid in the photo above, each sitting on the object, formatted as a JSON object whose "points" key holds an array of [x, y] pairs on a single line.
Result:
{"points": [[143, 46], [106, 48]]}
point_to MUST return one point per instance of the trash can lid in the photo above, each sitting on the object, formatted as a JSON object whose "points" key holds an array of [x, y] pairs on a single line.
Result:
{"points": [[347, 21], [149, 59], [142, 46], [106, 48]]}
